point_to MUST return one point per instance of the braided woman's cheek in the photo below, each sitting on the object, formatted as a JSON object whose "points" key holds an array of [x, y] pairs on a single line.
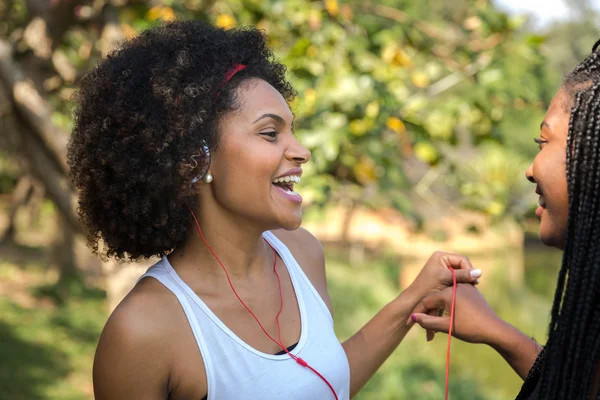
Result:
{"points": [[550, 174]]}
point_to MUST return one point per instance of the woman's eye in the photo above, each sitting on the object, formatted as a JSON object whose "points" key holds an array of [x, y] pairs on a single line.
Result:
{"points": [[540, 142], [271, 134]]}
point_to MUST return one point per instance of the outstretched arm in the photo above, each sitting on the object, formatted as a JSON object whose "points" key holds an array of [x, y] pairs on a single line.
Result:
{"points": [[368, 348], [373, 343]]}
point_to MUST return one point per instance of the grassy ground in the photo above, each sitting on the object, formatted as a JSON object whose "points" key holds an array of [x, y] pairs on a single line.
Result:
{"points": [[46, 350]]}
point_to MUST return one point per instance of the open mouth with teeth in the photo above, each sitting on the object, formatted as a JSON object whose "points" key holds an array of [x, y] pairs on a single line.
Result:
{"points": [[286, 184]]}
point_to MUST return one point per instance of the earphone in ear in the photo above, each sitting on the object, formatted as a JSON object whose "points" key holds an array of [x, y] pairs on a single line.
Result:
{"points": [[203, 164]]}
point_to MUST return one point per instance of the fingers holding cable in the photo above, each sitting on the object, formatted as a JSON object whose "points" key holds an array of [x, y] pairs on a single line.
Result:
{"points": [[439, 271], [430, 312], [474, 320]]}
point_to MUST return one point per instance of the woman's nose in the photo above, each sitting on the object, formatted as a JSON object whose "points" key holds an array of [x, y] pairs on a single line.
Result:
{"points": [[298, 152], [529, 174]]}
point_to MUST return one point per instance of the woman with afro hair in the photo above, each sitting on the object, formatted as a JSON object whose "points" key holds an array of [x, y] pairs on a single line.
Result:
{"points": [[183, 148]]}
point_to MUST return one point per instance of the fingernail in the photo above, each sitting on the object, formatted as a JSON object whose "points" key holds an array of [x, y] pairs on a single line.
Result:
{"points": [[414, 318], [476, 273]]}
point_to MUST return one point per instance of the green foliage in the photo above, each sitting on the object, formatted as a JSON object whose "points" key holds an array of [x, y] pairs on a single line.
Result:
{"points": [[494, 181], [381, 84]]}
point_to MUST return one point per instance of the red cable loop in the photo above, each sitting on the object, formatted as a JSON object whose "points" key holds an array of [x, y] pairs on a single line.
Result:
{"points": [[279, 343], [450, 331]]}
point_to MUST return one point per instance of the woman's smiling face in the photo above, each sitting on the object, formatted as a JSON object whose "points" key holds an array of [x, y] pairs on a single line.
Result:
{"points": [[259, 159], [549, 172]]}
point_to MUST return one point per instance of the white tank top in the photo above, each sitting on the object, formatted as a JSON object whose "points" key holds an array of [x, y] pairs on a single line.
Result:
{"points": [[235, 370]]}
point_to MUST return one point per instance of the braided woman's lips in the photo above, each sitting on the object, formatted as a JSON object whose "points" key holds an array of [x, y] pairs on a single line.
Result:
{"points": [[541, 206], [542, 201]]}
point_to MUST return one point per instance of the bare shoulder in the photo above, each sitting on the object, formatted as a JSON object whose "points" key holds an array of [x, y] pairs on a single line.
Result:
{"points": [[302, 243], [309, 253], [132, 359]]}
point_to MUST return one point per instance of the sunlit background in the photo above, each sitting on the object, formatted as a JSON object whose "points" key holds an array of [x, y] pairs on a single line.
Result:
{"points": [[420, 116]]}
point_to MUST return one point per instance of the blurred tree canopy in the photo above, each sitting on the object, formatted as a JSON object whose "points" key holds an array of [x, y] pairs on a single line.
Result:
{"points": [[394, 95]]}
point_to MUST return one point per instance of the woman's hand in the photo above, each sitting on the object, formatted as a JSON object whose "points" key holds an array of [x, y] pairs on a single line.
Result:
{"points": [[476, 322], [474, 319], [436, 274]]}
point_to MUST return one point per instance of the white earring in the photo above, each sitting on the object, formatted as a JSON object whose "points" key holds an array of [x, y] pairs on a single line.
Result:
{"points": [[208, 177]]}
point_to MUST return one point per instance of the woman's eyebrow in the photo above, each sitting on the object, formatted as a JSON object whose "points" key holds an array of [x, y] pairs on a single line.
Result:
{"points": [[276, 117]]}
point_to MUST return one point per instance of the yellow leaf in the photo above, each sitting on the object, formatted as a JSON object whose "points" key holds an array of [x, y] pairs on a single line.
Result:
{"points": [[389, 52], [225, 21], [372, 109], [332, 7], [364, 170], [359, 127], [402, 59], [495, 208], [154, 13], [310, 97], [426, 152], [420, 80], [312, 51], [167, 14], [396, 125]]}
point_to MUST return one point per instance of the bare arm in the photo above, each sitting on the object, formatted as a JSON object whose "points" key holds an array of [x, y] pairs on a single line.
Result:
{"points": [[126, 365], [374, 343], [476, 322], [132, 359], [518, 349]]}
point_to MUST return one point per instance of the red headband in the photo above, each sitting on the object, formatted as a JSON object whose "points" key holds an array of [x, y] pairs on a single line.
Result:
{"points": [[236, 68]]}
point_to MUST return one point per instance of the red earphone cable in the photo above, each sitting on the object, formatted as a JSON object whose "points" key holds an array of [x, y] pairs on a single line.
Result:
{"points": [[294, 357], [298, 360], [450, 331]]}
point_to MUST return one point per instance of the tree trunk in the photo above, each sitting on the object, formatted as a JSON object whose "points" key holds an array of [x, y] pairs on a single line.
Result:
{"points": [[21, 194], [64, 253]]}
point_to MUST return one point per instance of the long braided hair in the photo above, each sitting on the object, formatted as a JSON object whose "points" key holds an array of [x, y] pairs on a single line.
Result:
{"points": [[566, 367]]}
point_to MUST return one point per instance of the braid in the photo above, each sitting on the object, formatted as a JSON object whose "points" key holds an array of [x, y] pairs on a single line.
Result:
{"points": [[566, 366]]}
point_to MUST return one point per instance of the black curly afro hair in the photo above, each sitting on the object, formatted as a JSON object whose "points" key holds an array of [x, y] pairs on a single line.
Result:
{"points": [[141, 116]]}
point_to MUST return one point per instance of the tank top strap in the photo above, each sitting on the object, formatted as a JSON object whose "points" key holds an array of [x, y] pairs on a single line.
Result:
{"points": [[295, 269], [159, 272]]}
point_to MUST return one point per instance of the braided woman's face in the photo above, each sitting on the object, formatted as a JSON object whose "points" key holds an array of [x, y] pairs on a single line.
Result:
{"points": [[549, 172]]}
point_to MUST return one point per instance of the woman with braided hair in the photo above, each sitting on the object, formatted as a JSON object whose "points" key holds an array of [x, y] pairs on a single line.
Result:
{"points": [[566, 172]]}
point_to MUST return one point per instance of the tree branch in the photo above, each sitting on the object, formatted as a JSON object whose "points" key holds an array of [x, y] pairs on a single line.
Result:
{"points": [[42, 167], [33, 107]]}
